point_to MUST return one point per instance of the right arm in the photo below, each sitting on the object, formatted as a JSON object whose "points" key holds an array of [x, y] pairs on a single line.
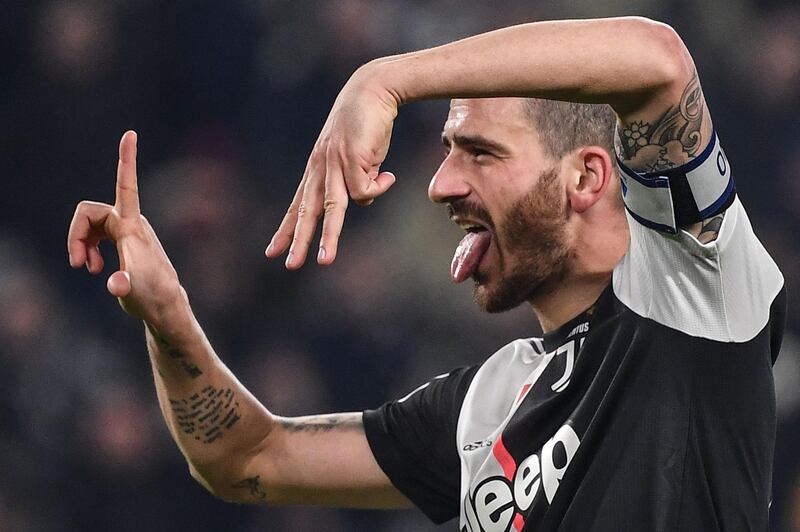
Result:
{"points": [[239, 450], [234, 446]]}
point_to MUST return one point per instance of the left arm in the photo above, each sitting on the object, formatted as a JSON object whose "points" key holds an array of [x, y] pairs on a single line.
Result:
{"points": [[640, 67]]}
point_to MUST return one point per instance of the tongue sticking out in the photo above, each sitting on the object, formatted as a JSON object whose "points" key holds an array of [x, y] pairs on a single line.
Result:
{"points": [[468, 255]]}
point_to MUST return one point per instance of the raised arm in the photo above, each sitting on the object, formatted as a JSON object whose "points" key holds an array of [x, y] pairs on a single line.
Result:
{"points": [[638, 66], [234, 446]]}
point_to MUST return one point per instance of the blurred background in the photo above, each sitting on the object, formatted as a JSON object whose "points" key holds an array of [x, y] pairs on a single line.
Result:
{"points": [[228, 98]]}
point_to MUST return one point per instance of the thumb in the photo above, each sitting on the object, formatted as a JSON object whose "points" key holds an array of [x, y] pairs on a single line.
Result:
{"points": [[383, 181], [377, 186], [119, 284]]}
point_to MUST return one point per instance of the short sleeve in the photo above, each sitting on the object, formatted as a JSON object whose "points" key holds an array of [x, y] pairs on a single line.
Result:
{"points": [[413, 440], [722, 291]]}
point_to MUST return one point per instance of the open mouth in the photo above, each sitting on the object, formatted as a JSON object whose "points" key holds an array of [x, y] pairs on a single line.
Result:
{"points": [[470, 250]]}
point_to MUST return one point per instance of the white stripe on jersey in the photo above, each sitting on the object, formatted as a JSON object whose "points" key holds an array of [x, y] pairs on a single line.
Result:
{"points": [[420, 388]]}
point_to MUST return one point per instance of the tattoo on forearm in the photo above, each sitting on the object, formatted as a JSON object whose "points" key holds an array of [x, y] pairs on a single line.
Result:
{"points": [[671, 140], [192, 370], [324, 423], [206, 415], [253, 484], [709, 229], [176, 354]]}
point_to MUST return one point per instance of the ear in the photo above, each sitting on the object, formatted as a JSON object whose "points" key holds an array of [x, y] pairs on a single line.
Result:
{"points": [[590, 172]]}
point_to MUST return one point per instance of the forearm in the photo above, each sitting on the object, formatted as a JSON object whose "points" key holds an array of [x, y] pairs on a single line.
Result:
{"points": [[592, 61], [234, 446], [217, 424], [239, 450]]}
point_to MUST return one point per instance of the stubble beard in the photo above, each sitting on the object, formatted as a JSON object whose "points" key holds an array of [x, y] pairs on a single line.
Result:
{"points": [[534, 236]]}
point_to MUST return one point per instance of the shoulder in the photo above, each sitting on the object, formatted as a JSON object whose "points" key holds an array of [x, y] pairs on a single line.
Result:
{"points": [[720, 290], [497, 382]]}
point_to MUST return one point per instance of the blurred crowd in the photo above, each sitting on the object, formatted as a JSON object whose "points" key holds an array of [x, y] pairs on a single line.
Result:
{"points": [[228, 98]]}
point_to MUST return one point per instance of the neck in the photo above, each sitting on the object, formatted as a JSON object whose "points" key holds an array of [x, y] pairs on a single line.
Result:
{"points": [[572, 297], [598, 247]]}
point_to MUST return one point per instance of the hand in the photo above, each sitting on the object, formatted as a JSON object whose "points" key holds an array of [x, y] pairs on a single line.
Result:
{"points": [[346, 159], [146, 283]]}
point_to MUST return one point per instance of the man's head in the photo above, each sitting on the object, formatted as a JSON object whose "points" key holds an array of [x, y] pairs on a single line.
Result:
{"points": [[528, 179]]}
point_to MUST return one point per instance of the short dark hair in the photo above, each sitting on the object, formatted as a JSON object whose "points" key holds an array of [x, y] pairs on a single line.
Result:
{"points": [[565, 126]]}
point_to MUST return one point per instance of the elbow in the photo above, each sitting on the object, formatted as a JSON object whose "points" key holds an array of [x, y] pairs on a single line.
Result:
{"points": [[214, 484], [667, 55], [206, 482]]}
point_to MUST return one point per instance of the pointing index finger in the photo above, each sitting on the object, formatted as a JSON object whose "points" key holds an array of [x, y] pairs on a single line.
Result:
{"points": [[127, 202]]}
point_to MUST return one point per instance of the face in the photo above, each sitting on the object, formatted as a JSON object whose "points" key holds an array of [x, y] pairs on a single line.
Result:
{"points": [[507, 194]]}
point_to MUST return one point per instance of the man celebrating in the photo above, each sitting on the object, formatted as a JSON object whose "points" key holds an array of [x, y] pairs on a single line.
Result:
{"points": [[647, 405]]}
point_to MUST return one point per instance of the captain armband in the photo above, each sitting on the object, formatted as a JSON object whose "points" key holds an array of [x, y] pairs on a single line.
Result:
{"points": [[675, 198]]}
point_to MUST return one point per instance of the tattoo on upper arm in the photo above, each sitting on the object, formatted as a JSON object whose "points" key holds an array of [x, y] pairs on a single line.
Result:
{"points": [[176, 354], [206, 415], [707, 230], [675, 138], [672, 139], [253, 485], [324, 423]]}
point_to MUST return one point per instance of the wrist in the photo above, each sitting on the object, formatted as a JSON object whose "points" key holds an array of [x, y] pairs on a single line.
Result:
{"points": [[421, 75], [173, 318], [384, 76]]}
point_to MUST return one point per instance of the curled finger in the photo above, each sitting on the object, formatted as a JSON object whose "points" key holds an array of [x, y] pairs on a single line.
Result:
{"points": [[94, 259], [379, 185], [85, 231], [364, 185]]}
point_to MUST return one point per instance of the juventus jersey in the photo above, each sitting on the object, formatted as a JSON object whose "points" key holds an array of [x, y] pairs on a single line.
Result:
{"points": [[654, 410]]}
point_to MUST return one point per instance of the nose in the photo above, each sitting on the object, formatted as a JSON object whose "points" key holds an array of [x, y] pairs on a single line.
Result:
{"points": [[448, 183]]}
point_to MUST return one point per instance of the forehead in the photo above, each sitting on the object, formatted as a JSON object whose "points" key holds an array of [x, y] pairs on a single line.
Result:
{"points": [[495, 117]]}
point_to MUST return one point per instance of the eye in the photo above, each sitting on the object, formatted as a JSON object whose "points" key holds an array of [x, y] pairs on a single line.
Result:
{"points": [[447, 146], [480, 154]]}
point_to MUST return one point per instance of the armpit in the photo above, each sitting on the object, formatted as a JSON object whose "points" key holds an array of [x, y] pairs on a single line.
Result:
{"points": [[707, 231]]}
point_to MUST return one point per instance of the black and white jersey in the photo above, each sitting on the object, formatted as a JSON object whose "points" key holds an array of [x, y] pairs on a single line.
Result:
{"points": [[654, 410]]}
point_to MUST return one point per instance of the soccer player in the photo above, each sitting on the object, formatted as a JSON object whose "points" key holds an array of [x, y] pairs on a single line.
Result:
{"points": [[648, 404]]}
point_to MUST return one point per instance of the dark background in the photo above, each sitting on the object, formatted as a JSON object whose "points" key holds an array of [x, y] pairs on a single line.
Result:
{"points": [[228, 98]]}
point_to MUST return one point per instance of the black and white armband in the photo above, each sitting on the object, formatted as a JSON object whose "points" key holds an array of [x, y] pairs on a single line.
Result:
{"points": [[675, 198]]}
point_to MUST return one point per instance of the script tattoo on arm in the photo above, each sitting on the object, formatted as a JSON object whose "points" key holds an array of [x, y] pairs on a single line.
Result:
{"points": [[176, 354], [253, 485], [206, 415], [324, 423], [673, 139]]}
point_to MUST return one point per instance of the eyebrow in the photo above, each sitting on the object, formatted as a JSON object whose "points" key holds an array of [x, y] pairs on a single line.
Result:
{"points": [[475, 141]]}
